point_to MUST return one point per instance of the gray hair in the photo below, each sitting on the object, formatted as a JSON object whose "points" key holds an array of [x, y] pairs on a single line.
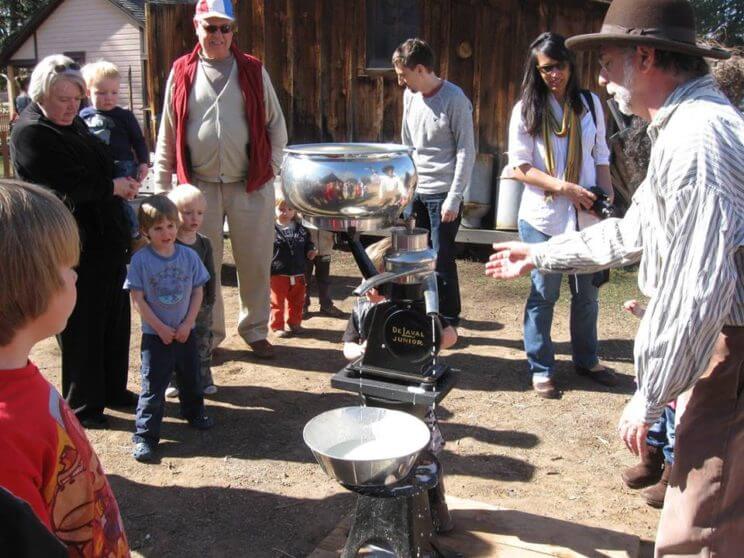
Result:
{"points": [[46, 74]]}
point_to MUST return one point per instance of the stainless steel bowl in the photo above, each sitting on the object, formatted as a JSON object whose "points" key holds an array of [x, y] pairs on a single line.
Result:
{"points": [[341, 185], [366, 446]]}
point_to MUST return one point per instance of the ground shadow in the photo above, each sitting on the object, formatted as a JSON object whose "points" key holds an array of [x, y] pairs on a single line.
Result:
{"points": [[122, 424], [223, 521], [480, 325], [489, 373], [528, 534], [321, 334], [287, 356], [465, 340], [491, 466], [508, 438], [278, 416], [616, 350], [275, 419]]}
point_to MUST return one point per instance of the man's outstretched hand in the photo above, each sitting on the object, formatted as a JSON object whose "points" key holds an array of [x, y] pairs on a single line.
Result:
{"points": [[509, 260]]}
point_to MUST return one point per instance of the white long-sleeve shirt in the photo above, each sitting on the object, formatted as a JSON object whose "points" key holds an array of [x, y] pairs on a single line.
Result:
{"points": [[556, 214], [686, 226]]}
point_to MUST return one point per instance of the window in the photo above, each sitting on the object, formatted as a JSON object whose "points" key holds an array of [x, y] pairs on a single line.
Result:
{"points": [[389, 23], [78, 56]]}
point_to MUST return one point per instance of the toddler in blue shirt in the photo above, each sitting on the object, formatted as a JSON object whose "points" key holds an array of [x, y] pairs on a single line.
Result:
{"points": [[166, 282], [115, 126]]}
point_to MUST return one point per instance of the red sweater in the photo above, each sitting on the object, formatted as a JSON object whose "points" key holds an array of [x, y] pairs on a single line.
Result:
{"points": [[251, 83], [48, 461]]}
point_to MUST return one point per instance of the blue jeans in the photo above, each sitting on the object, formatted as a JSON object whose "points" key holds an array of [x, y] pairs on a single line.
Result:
{"points": [[538, 315], [427, 209], [158, 363], [662, 434]]}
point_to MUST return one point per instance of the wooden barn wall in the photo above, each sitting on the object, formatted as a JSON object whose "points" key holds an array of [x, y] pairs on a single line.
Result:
{"points": [[314, 51]]}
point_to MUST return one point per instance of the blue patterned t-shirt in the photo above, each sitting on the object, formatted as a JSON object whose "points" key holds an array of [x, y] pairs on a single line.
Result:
{"points": [[166, 282]]}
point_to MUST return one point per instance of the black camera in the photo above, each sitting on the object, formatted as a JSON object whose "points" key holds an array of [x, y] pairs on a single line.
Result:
{"points": [[601, 206]]}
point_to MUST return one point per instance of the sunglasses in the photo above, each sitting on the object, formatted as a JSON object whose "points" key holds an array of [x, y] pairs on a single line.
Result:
{"points": [[70, 66], [550, 68], [212, 29]]}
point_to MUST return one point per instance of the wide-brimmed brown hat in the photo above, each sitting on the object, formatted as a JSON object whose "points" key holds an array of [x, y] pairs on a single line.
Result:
{"points": [[663, 24]]}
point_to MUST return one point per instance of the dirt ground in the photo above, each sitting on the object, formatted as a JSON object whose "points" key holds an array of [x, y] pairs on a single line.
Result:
{"points": [[251, 488]]}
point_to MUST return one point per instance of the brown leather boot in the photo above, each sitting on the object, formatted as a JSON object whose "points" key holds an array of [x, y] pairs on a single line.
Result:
{"points": [[654, 495], [647, 472]]}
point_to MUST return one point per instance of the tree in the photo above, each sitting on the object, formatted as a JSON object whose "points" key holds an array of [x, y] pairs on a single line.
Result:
{"points": [[14, 14], [722, 20]]}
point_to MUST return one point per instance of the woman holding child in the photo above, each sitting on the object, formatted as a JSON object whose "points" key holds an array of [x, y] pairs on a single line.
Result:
{"points": [[51, 146], [557, 148]]}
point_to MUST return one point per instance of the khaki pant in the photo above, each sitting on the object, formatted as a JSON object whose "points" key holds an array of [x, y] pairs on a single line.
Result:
{"points": [[703, 511], [250, 217], [323, 241]]}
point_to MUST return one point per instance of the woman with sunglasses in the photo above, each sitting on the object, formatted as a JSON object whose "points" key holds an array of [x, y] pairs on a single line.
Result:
{"points": [[50, 145], [557, 148]]}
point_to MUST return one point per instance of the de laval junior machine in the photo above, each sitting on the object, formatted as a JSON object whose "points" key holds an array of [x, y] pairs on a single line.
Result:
{"points": [[374, 449]]}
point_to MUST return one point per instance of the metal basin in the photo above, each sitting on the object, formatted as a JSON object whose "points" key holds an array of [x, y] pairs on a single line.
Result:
{"points": [[338, 186], [366, 446]]}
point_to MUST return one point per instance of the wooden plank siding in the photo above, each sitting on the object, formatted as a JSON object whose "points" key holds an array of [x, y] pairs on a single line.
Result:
{"points": [[315, 52]]}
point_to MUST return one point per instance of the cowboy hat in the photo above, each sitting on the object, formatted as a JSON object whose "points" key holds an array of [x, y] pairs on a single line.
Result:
{"points": [[664, 24]]}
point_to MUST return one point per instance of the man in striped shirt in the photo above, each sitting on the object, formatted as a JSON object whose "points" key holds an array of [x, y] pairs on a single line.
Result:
{"points": [[686, 227]]}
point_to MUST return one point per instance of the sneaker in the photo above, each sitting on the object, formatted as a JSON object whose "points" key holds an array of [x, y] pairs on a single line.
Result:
{"points": [[171, 392], [280, 333], [202, 422], [144, 452], [295, 329], [210, 389]]}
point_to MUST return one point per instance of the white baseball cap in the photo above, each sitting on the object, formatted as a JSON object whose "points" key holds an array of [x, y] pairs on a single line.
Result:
{"points": [[214, 8]]}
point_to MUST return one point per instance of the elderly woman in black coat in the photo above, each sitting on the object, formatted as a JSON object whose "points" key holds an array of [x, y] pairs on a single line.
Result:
{"points": [[51, 146]]}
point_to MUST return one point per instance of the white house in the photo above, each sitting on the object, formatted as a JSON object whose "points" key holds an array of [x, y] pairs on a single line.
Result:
{"points": [[87, 31]]}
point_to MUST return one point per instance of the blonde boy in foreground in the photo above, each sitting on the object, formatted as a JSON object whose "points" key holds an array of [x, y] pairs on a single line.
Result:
{"points": [[46, 458]]}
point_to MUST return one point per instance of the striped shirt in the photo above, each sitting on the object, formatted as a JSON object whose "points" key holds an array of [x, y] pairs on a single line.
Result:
{"points": [[686, 227]]}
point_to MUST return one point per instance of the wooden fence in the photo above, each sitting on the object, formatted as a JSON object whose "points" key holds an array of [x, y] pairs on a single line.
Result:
{"points": [[316, 54], [7, 168]]}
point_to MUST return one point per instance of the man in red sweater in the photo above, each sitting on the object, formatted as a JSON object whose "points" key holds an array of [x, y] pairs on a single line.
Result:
{"points": [[47, 460]]}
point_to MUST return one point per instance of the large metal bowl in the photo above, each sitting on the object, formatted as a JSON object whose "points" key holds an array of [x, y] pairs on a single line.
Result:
{"points": [[366, 446], [338, 186]]}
